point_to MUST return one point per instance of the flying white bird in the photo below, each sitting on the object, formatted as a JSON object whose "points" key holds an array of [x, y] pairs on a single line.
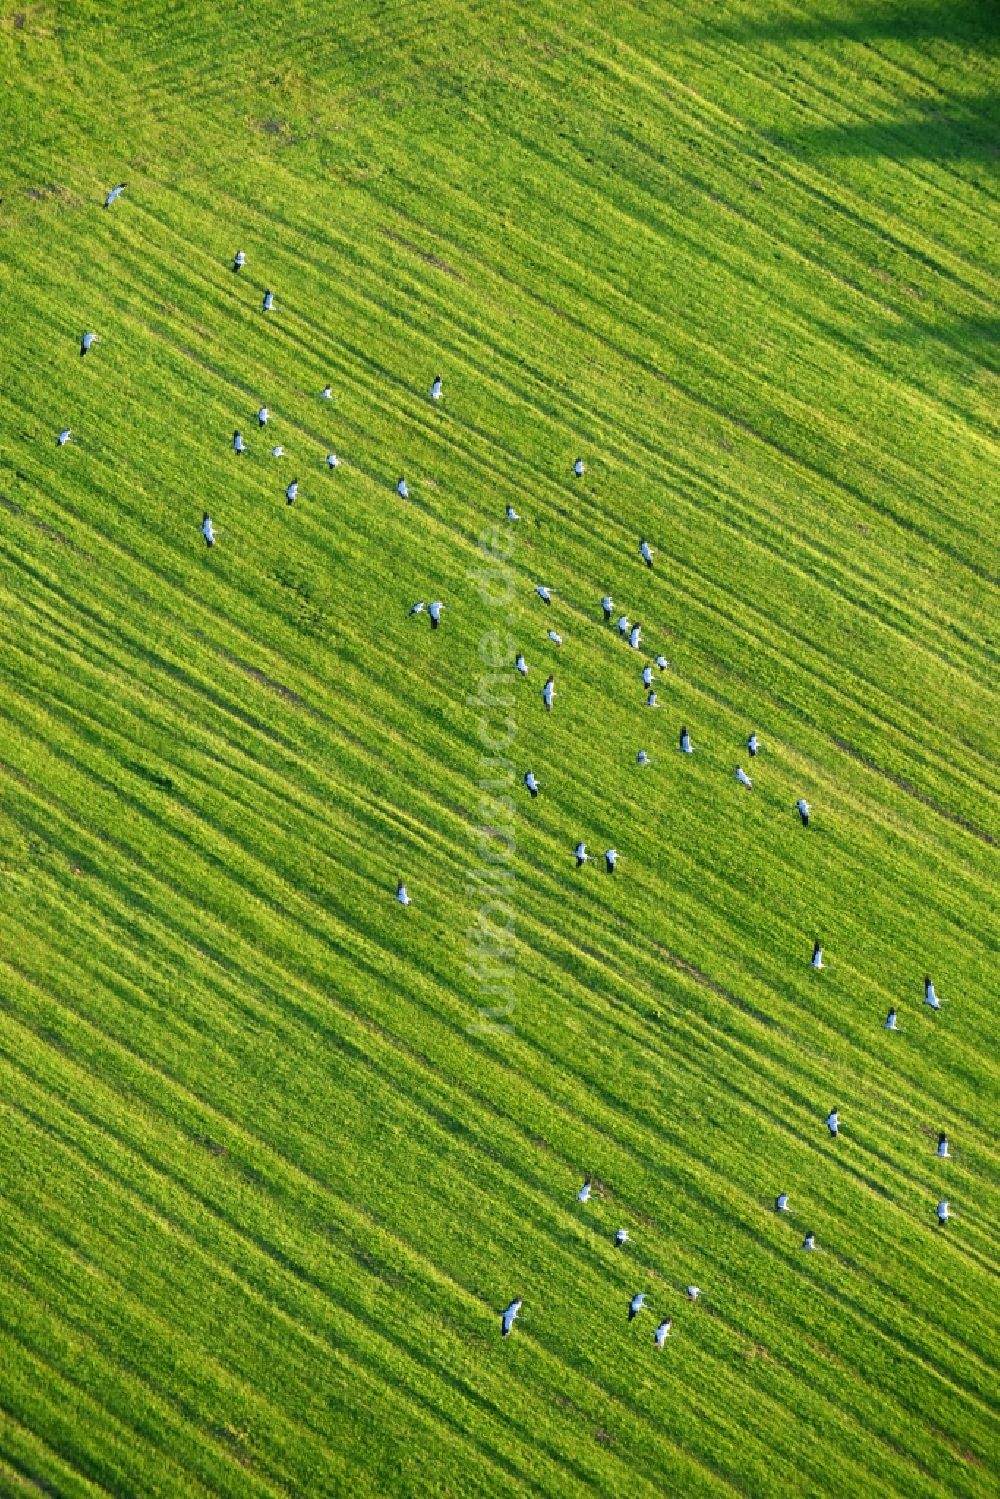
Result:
{"points": [[418, 607], [642, 758], [402, 894], [621, 1237], [326, 394], [263, 416], [651, 699], [662, 1333], [531, 783], [647, 676], [507, 1320], [511, 513], [581, 855], [437, 388], [816, 961], [802, 807], [943, 1212], [687, 747], [633, 636], [636, 1305], [64, 437], [87, 342], [942, 1145], [930, 997], [693, 1293], [114, 194], [833, 1122], [208, 530], [555, 637], [239, 446], [268, 301], [781, 1203], [890, 1021], [332, 461], [401, 489], [521, 665], [578, 467], [608, 606], [548, 693], [292, 492], [743, 778], [809, 1242], [662, 662], [239, 261], [610, 860], [543, 593], [434, 610], [584, 1193], [645, 553], [277, 451], [753, 744]]}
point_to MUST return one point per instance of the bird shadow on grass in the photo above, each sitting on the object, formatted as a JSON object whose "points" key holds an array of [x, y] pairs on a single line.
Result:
{"points": [[960, 129], [964, 23]]}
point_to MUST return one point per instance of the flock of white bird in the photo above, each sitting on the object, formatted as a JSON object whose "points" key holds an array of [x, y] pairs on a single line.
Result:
{"points": [[633, 634]]}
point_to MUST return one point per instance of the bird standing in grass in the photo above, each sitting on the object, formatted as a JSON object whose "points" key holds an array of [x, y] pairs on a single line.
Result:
{"points": [[402, 894], [662, 1333], [623, 624], [436, 388], [87, 343], [434, 610], [543, 593], [890, 1021], [511, 514], [64, 437], [651, 699], [268, 301], [326, 394], [401, 489], [332, 461], [418, 607], [693, 1293], [647, 676], [687, 748], [645, 553], [520, 664], [531, 783], [930, 996], [263, 416], [239, 446], [662, 662], [208, 530], [621, 1237], [833, 1122], [548, 693], [753, 744], [942, 1146], [584, 1193], [633, 636], [292, 492], [809, 1242], [239, 261], [607, 607], [578, 468], [277, 451], [555, 637], [507, 1320], [581, 855], [781, 1203], [802, 807], [642, 758], [816, 961], [611, 860], [636, 1305], [943, 1212], [115, 194], [743, 778]]}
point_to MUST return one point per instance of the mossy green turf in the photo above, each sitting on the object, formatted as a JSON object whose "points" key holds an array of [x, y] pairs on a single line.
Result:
{"points": [[264, 1187]]}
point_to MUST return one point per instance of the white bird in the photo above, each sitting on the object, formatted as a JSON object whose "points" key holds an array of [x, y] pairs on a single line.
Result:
{"points": [[584, 1193], [326, 394], [753, 744], [890, 1021], [114, 194], [930, 997], [802, 807], [610, 860], [434, 610], [623, 625], [531, 782], [633, 636], [263, 416], [555, 637], [943, 1212], [548, 693], [578, 467], [239, 261], [437, 388], [507, 1320], [64, 437], [662, 662], [636, 1305], [401, 489], [781, 1203], [693, 1293], [645, 553], [418, 607], [543, 593], [833, 1122], [402, 894], [662, 1333], [743, 778], [642, 758], [651, 700], [511, 513], [621, 1237], [86, 343], [809, 1242], [332, 461], [647, 676], [277, 451], [581, 855], [521, 665], [239, 446], [942, 1145], [607, 605], [816, 961], [268, 301], [208, 530], [687, 747], [292, 492]]}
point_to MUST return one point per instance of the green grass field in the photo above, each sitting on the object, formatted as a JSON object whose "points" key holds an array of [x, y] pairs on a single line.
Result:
{"points": [[268, 1173]]}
